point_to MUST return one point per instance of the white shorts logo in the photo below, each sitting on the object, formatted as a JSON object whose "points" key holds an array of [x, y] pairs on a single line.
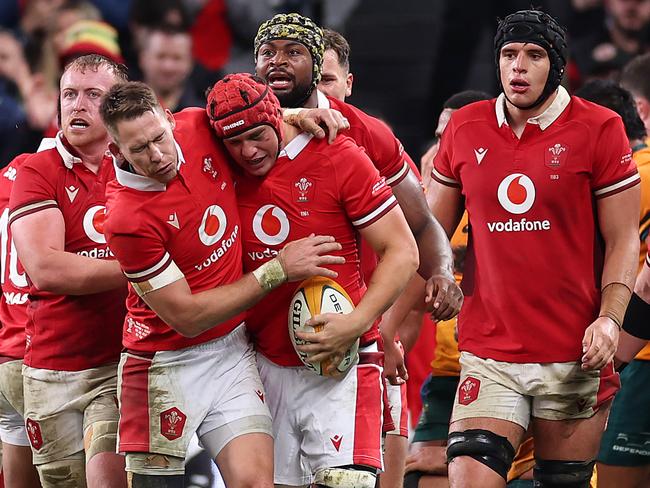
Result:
{"points": [[271, 228], [516, 193], [213, 225], [94, 223]]}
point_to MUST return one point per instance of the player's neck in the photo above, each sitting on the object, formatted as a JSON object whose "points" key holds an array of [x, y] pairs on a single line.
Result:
{"points": [[92, 155], [312, 101], [517, 117], [289, 133]]}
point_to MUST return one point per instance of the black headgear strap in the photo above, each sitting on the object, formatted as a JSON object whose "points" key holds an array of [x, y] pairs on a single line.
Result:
{"points": [[539, 28]]}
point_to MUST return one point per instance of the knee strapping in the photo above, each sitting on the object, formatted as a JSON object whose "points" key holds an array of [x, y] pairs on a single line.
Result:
{"points": [[488, 448], [346, 477], [412, 479], [101, 436], [154, 464], [69, 472], [562, 474], [136, 480]]}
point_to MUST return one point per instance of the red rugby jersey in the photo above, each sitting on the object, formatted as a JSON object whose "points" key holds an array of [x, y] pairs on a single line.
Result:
{"points": [[13, 304], [384, 150], [317, 188], [188, 228], [535, 255], [69, 332]]}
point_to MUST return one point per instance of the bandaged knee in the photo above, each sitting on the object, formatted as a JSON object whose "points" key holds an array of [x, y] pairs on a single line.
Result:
{"points": [[562, 474], [486, 447], [345, 478], [412, 479], [154, 464], [69, 472], [101, 436], [135, 480]]}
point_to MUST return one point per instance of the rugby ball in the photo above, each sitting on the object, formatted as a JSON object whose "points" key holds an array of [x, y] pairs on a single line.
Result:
{"points": [[315, 296]]}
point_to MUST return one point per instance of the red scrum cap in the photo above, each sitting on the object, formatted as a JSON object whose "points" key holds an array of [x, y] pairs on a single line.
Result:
{"points": [[240, 102]]}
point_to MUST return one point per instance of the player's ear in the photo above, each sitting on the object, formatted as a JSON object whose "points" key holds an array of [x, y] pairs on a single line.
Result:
{"points": [[115, 151], [348, 84], [170, 117]]}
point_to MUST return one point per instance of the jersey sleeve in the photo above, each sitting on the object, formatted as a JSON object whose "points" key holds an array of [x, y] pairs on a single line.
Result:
{"points": [[364, 193], [383, 148], [613, 169], [32, 192], [443, 171], [142, 256]]}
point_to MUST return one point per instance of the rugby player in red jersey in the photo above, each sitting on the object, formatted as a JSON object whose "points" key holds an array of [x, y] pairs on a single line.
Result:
{"points": [[289, 55], [553, 202], [76, 289], [17, 467], [173, 224], [336, 82], [327, 430]]}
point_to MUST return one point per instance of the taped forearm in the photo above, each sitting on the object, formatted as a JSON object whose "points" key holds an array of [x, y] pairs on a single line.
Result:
{"points": [[614, 299]]}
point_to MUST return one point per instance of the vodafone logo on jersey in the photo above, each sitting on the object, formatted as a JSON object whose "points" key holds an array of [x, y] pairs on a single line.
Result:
{"points": [[213, 225], [516, 193], [271, 225], [94, 223]]}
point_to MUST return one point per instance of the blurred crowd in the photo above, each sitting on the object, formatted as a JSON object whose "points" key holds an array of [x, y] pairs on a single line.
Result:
{"points": [[181, 47]]}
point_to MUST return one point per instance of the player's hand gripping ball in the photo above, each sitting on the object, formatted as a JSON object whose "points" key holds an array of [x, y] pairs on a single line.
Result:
{"points": [[315, 296]]}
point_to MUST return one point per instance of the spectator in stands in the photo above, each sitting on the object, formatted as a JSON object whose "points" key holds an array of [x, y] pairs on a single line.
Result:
{"points": [[144, 16], [623, 35], [27, 107], [166, 64]]}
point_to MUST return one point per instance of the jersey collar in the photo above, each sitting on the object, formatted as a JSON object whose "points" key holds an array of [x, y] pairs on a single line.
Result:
{"points": [[296, 145], [323, 102], [143, 183], [69, 160], [546, 118]]}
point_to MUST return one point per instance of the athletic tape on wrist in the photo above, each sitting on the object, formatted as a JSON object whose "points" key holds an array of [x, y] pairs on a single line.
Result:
{"points": [[270, 275], [289, 115], [614, 299]]}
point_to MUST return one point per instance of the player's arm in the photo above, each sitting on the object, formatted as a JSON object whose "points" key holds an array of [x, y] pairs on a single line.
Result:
{"points": [[393, 242], [436, 258], [405, 316], [190, 314], [637, 318], [618, 223], [40, 241], [320, 122]]}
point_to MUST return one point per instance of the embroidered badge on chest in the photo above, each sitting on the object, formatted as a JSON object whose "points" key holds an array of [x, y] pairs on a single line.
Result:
{"points": [[303, 190], [208, 168], [556, 155]]}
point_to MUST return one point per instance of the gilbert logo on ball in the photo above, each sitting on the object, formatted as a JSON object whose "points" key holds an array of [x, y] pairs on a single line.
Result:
{"points": [[315, 296]]}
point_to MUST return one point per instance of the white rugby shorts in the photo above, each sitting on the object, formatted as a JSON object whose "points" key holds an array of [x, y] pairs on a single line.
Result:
{"points": [[169, 396], [321, 422]]}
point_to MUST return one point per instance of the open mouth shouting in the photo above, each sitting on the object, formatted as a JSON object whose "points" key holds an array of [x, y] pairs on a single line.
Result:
{"points": [[279, 80], [78, 124]]}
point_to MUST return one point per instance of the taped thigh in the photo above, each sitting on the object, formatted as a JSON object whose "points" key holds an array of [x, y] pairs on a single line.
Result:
{"points": [[69, 472], [346, 477], [154, 464], [100, 436]]}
